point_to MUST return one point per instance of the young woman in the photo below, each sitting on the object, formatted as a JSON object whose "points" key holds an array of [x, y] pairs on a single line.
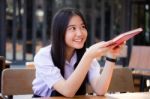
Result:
{"points": [[65, 66]]}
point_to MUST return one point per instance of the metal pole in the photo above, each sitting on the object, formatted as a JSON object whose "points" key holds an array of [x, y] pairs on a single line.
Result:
{"points": [[33, 27], [14, 29], [2, 27], [24, 29]]}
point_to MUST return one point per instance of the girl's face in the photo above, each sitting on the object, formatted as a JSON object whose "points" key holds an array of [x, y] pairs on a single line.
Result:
{"points": [[76, 33]]}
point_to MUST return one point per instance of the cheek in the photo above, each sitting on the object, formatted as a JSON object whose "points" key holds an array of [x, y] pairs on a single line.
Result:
{"points": [[68, 37], [86, 34]]}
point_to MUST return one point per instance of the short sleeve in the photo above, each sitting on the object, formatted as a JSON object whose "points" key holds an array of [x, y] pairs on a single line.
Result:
{"points": [[94, 70], [45, 69]]}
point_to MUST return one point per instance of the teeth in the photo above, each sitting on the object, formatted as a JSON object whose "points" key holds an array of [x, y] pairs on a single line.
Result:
{"points": [[79, 40]]}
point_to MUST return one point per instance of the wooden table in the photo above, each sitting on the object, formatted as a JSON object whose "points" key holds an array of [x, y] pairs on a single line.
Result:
{"points": [[139, 95], [141, 76]]}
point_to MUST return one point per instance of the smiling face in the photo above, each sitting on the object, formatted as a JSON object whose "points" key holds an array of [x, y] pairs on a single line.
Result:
{"points": [[76, 33]]}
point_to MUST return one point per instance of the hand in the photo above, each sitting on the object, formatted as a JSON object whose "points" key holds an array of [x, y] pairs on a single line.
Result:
{"points": [[99, 49], [115, 50]]}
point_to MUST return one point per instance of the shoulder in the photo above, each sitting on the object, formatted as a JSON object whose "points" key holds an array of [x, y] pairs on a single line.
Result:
{"points": [[44, 51], [43, 55]]}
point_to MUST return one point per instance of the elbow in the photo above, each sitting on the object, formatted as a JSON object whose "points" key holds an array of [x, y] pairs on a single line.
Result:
{"points": [[69, 94], [101, 92]]}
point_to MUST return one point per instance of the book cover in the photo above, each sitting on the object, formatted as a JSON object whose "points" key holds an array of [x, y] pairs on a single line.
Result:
{"points": [[126, 36]]}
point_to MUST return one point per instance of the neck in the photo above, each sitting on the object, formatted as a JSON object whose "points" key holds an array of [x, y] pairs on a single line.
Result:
{"points": [[69, 54]]}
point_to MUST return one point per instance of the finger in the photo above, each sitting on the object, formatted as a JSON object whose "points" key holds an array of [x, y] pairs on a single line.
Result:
{"points": [[100, 44], [125, 42], [119, 47], [108, 43], [115, 47], [103, 50]]}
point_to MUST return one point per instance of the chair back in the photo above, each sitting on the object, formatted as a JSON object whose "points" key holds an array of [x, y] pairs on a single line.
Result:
{"points": [[2, 63], [122, 81], [2, 66], [30, 65], [140, 58], [17, 81]]}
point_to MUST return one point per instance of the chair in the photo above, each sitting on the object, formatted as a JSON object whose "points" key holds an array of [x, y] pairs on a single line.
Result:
{"points": [[122, 81], [30, 65], [140, 58], [2, 65], [2, 62], [140, 64], [16, 82]]}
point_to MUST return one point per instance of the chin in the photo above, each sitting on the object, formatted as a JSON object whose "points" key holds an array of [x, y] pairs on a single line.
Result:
{"points": [[79, 47]]}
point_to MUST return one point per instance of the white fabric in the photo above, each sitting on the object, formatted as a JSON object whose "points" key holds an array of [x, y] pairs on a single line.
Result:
{"points": [[47, 74]]}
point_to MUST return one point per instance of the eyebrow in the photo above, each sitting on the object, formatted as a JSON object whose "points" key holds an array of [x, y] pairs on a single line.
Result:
{"points": [[74, 25], [71, 25]]}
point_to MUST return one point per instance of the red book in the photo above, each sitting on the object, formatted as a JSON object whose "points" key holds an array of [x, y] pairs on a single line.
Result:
{"points": [[126, 36]]}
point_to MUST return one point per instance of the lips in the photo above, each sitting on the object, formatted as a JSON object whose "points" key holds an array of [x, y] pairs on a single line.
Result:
{"points": [[78, 40]]}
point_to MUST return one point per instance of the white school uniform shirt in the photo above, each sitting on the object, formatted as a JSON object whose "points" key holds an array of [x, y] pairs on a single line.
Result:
{"points": [[47, 74]]}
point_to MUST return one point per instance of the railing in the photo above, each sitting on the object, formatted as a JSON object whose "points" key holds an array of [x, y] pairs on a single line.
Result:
{"points": [[25, 24]]}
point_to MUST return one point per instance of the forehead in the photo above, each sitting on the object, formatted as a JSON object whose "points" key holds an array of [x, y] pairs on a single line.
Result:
{"points": [[75, 20]]}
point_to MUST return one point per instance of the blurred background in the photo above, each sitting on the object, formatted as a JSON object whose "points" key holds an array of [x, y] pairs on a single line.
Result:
{"points": [[25, 24]]}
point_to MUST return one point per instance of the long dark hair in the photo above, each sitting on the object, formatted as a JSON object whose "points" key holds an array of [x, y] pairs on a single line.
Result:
{"points": [[58, 29]]}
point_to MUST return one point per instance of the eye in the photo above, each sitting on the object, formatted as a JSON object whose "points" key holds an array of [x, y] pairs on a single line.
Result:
{"points": [[83, 27], [72, 28]]}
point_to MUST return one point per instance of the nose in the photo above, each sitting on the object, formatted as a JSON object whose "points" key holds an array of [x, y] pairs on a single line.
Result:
{"points": [[79, 32]]}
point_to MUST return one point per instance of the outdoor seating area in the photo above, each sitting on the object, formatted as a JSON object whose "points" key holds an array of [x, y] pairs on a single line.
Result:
{"points": [[12, 80], [125, 79], [80, 39]]}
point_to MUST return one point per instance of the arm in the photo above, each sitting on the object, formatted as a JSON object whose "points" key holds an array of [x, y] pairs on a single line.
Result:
{"points": [[70, 86], [101, 83]]}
